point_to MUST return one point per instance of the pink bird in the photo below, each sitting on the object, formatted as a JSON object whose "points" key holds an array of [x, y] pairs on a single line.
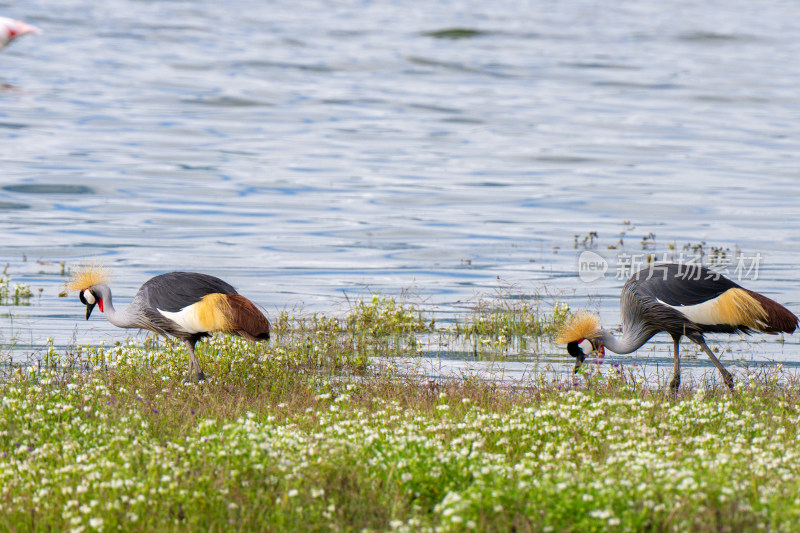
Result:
{"points": [[10, 29]]}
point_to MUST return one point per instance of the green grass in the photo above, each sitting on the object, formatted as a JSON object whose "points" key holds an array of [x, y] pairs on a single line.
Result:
{"points": [[298, 434]]}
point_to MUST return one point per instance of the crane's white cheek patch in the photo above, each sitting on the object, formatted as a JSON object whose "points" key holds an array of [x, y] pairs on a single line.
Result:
{"points": [[89, 297], [586, 346], [187, 318]]}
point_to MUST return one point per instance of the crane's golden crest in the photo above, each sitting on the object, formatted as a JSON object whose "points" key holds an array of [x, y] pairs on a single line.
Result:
{"points": [[88, 275], [583, 325]]}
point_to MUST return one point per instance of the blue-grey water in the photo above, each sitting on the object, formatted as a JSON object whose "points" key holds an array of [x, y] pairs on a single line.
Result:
{"points": [[308, 150]]}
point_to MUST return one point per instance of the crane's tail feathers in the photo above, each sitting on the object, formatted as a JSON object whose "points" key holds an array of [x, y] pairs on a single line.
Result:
{"points": [[246, 319], [778, 319]]}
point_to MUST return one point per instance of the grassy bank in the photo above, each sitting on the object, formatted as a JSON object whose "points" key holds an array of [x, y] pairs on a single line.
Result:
{"points": [[299, 434]]}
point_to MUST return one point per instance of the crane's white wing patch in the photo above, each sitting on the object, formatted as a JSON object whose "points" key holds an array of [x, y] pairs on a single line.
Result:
{"points": [[703, 313], [187, 318]]}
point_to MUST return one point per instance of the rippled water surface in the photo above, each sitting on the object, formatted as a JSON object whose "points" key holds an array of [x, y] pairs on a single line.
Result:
{"points": [[307, 150]]}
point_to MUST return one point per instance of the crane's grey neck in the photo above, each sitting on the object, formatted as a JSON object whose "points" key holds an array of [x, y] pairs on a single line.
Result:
{"points": [[630, 341], [122, 319]]}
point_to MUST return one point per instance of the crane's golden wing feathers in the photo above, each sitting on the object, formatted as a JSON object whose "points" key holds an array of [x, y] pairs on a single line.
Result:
{"points": [[583, 325], [214, 312], [743, 309], [735, 307], [231, 313], [87, 276]]}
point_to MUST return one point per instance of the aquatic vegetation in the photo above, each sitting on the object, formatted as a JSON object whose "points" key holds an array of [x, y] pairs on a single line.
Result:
{"points": [[384, 316], [587, 241], [380, 327], [14, 293], [511, 319], [270, 444], [456, 33], [721, 257]]}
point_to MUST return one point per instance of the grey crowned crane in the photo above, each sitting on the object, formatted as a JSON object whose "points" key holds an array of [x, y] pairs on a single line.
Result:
{"points": [[682, 300], [186, 305], [10, 29]]}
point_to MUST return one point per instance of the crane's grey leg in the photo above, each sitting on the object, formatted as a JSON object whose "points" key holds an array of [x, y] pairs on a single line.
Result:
{"points": [[193, 363], [189, 372], [676, 370], [726, 376]]}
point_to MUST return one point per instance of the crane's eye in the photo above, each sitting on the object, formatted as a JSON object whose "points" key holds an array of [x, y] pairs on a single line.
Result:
{"points": [[87, 297]]}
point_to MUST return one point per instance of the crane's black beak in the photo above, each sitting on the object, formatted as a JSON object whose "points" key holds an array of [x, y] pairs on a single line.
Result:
{"points": [[579, 361], [89, 308], [575, 351]]}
